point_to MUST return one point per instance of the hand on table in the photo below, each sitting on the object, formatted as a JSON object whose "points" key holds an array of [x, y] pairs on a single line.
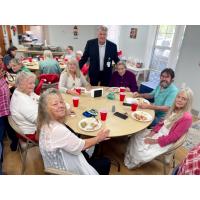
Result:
{"points": [[144, 106], [103, 135], [73, 92], [127, 89]]}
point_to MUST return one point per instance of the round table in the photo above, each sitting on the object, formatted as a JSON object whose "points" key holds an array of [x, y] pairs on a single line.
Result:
{"points": [[118, 127]]}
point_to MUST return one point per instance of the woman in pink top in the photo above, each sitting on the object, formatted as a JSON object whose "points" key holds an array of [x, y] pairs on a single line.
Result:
{"points": [[148, 144]]}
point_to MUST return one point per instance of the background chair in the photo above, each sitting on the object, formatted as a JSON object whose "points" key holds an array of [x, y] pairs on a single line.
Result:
{"points": [[47, 81], [27, 145], [169, 156]]}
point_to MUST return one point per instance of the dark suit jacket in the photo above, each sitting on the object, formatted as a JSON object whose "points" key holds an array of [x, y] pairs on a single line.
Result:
{"points": [[92, 52]]}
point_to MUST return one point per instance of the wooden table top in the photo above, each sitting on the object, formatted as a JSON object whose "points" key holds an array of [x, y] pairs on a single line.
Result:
{"points": [[118, 127]]}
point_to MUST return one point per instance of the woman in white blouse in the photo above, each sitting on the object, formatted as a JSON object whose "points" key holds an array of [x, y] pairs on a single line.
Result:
{"points": [[24, 104], [72, 77], [59, 146]]}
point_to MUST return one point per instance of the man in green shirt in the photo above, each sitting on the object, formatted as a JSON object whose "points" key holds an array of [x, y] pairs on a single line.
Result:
{"points": [[164, 95]]}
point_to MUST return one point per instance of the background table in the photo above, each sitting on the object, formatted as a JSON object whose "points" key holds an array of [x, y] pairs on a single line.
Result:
{"points": [[118, 127], [35, 66]]}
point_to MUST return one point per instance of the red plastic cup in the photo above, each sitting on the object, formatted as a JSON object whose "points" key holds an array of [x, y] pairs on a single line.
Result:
{"points": [[121, 96], [75, 101], [134, 106], [122, 89], [30, 59], [78, 90], [103, 115]]}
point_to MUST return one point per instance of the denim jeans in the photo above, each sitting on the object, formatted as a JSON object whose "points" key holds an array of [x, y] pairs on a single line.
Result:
{"points": [[2, 132]]}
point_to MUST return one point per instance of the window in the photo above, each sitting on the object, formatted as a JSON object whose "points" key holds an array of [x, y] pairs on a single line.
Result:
{"points": [[162, 50]]}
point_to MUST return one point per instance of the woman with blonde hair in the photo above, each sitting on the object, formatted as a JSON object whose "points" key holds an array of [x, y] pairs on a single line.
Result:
{"points": [[59, 146], [49, 65], [72, 78], [148, 144]]}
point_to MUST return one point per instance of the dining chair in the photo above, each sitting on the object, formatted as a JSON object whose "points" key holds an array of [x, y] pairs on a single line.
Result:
{"points": [[47, 81], [54, 171], [169, 156], [23, 149]]}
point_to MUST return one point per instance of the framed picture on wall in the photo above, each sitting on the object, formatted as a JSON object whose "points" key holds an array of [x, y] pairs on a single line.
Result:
{"points": [[75, 32], [133, 33]]}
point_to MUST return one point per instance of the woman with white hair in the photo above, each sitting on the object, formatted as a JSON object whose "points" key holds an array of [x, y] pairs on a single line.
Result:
{"points": [[148, 144], [49, 65], [72, 78], [59, 146], [24, 104]]}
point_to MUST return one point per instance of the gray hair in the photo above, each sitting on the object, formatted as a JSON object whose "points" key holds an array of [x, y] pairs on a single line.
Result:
{"points": [[102, 28], [121, 63], [44, 116], [48, 54], [187, 108], [16, 61], [23, 76]]}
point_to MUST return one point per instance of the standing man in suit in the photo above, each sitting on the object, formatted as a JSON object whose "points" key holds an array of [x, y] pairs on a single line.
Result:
{"points": [[101, 53]]}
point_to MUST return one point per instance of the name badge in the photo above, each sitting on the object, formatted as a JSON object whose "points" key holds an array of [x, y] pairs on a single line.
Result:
{"points": [[108, 64]]}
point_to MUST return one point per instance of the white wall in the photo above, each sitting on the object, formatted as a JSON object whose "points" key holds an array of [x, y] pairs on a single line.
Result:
{"points": [[188, 69], [135, 48], [62, 35]]}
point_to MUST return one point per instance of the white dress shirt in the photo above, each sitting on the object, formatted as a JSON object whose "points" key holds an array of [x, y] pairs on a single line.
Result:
{"points": [[102, 49]]}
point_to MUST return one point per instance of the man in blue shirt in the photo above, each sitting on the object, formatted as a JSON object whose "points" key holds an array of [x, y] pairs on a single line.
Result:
{"points": [[164, 95]]}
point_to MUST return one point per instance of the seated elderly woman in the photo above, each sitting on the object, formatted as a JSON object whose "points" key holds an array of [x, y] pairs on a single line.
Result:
{"points": [[123, 78], [59, 146], [148, 144], [71, 78], [49, 65], [17, 66], [24, 104]]}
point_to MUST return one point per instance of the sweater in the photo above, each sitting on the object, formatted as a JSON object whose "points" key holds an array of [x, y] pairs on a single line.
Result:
{"points": [[179, 128]]}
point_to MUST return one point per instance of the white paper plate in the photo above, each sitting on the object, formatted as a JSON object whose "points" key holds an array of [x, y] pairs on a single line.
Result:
{"points": [[89, 122], [130, 100], [137, 114], [141, 100]]}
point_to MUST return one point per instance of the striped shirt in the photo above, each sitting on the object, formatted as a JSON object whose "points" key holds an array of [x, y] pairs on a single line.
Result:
{"points": [[4, 98]]}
